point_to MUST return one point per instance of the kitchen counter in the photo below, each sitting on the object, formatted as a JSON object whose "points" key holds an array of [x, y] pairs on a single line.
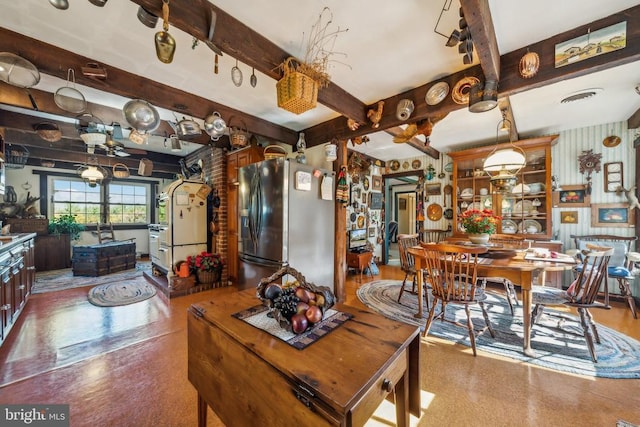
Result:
{"points": [[17, 275]]}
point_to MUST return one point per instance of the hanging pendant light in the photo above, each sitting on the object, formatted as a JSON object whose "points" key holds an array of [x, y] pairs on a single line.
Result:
{"points": [[92, 175], [503, 164]]}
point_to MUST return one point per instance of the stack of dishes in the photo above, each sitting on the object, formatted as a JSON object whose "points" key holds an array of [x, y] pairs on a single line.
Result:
{"points": [[536, 187], [467, 193], [521, 189]]}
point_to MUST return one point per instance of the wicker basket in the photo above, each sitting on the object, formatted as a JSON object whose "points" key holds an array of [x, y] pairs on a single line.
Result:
{"points": [[120, 170], [297, 92], [238, 135], [16, 156], [274, 152], [48, 131]]}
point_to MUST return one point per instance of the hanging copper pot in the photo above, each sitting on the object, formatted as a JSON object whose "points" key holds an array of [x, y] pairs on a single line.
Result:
{"points": [[165, 43]]}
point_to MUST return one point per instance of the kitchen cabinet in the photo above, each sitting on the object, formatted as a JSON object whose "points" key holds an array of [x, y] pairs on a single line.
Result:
{"points": [[525, 214], [17, 275], [235, 160], [53, 252]]}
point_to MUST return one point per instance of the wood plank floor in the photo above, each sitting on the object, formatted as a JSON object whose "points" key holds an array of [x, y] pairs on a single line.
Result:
{"points": [[126, 366]]}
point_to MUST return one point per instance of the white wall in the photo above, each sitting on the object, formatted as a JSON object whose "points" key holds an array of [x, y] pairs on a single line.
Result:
{"points": [[22, 178]]}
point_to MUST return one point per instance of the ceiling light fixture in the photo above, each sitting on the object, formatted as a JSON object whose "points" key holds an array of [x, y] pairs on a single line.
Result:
{"points": [[92, 176], [503, 164]]}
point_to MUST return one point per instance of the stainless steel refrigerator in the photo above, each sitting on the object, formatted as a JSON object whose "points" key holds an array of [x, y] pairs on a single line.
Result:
{"points": [[284, 220]]}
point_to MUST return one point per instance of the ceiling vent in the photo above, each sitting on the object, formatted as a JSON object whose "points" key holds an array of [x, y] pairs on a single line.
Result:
{"points": [[581, 95]]}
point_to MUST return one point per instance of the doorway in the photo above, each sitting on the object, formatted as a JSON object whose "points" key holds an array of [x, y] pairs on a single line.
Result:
{"points": [[401, 201]]}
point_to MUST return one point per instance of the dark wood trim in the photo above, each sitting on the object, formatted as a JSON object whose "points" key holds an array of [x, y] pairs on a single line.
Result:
{"points": [[480, 24], [235, 38], [340, 249], [55, 61], [634, 121]]}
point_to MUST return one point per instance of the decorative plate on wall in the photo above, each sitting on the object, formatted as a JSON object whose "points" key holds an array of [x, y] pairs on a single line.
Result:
{"points": [[437, 93], [434, 212], [416, 164], [405, 165], [394, 165]]}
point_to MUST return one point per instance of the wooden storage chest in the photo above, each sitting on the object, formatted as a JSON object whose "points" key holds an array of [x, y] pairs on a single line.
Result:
{"points": [[105, 258]]}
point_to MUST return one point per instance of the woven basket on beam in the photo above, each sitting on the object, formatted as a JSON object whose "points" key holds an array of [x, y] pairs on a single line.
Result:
{"points": [[297, 92]]}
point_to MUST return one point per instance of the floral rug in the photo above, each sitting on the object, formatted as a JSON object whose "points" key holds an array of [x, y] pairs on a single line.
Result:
{"points": [[562, 349], [58, 280]]}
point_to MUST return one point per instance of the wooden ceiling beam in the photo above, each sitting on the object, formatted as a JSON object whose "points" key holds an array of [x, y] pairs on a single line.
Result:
{"points": [[66, 152], [239, 41], [480, 24], [415, 142], [55, 61], [510, 80], [512, 83], [504, 104]]}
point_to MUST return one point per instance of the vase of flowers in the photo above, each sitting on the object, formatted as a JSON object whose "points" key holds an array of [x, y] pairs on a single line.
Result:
{"points": [[207, 266], [479, 224]]}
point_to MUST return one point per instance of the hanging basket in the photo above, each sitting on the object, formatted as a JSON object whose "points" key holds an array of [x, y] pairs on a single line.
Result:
{"points": [[297, 92], [16, 156], [120, 170], [238, 135], [274, 152], [48, 131]]}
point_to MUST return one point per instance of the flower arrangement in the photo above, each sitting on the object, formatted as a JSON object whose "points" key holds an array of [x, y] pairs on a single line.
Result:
{"points": [[477, 221], [205, 261]]}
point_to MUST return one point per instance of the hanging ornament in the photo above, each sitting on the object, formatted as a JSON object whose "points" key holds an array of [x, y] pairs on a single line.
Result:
{"points": [[165, 43], [342, 188], [529, 65], [431, 172]]}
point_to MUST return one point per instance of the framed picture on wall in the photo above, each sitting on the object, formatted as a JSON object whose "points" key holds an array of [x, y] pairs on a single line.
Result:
{"points": [[433, 189], [612, 215], [568, 217], [376, 183], [372, 232], [574, 196], [375, 200]]}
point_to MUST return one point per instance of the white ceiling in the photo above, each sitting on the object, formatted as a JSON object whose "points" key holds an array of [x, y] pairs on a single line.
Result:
{"points": [[390, 47]]}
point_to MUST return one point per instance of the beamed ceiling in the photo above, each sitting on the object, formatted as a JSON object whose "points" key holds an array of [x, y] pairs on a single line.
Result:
{"points": [[391, 51]]}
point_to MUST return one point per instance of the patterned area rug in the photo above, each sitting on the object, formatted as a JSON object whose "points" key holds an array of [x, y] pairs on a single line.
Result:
{"points": [[121, 293], [58, 280], [560, 349]]}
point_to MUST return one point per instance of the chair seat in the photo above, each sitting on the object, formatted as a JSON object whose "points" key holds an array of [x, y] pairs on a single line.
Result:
{"points": [[548, 296], [619, 272], [480, 296]]}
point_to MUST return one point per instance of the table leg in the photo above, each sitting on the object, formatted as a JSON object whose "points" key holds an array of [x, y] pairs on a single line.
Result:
{"points": [[418, 267], [526, 317], [202, 411], [401, 391]]}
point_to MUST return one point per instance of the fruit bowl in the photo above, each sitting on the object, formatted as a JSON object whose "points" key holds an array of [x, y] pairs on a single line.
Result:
{"points": [[298, 306]]}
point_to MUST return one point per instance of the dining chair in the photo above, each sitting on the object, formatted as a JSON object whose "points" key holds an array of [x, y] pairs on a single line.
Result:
{"points": [[452, 273], [407, 263], [433, 235], [509, 240], [620, 266], [582, 293]]}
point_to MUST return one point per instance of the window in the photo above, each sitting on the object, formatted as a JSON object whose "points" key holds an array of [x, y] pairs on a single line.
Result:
{"points": [[124, 203], [128, 203]]}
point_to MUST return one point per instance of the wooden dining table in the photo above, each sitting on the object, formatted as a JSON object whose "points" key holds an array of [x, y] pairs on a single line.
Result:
{"points": [[511, 266]]}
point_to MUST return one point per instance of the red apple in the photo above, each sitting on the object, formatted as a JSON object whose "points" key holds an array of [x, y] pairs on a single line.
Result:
{"points": [[313, 314], [299, 323], [301, 293], [302, 307]]}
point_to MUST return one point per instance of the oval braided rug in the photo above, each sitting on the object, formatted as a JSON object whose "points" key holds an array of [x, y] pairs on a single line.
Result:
{"points": [[562, 349], [121, 293]]}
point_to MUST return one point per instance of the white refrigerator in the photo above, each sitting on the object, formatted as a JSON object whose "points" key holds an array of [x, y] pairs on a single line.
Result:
{"points": [[183, 225]]}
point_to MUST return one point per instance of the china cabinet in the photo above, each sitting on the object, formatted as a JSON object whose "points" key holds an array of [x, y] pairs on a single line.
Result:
{"points": [[526, 210]]}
